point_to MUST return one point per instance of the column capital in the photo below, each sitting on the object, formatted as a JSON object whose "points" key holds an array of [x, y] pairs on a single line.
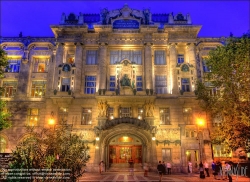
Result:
{"points": [[103, 44], [148, 44]]}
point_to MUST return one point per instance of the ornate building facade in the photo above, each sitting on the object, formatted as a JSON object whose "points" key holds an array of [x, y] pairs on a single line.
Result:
{"points": [[123, 79]]}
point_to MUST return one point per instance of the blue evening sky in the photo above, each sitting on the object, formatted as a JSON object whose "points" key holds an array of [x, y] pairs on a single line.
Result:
{"points": [[33, 18]]}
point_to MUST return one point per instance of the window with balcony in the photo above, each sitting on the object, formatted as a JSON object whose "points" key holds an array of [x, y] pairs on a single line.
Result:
{"points": [[10, 88], [160, 57], [90, 84], [86, 116], [164, 116], [160, 84], [112, 83], [65, 84], [139, 85], [13, 67], [33, 116], [41, 64], [38, 88], [185, 85], [91, 57]]}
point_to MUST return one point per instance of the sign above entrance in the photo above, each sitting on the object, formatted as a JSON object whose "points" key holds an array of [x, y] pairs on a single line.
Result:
{"points": [[125, 24]]}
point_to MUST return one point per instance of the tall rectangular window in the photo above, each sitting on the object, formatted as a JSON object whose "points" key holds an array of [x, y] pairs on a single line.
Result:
{"points": [[137, 58], [10, 88], [63, 115], [90, 84], [33, 116], [41, 64], [185, 85], [38, 88], [164, 116], [180, 58], [160, 84], [166, 154], [13, 67], [65, 87], [110, 113], [112, 83], [91, 57], [114, 57], [187, 115], [205, 67], [139, 83], [86, 116], [160, 58]]}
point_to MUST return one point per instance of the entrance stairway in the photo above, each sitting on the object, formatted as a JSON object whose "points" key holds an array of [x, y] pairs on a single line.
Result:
{"points": [[119, 167]]}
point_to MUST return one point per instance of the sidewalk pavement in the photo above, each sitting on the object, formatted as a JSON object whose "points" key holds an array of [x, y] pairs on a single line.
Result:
{"points": [[152, 177]]}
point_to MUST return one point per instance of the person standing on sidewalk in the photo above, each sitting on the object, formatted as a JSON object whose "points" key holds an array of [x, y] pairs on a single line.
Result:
{"points": [[145, 167], [206, 168], [101, 167], [169, 167], [160, 169], [190, 168]]}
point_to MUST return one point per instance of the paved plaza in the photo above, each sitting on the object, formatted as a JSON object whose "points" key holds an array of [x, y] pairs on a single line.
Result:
{"points": [[152, 177]]}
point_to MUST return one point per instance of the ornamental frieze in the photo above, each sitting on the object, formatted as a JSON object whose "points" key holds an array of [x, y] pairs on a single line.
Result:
{"points": [[168, 134], [87, 135]]}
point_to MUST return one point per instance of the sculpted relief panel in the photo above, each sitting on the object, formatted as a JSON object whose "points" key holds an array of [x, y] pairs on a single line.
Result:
{"points": [[87, 135], [168, 134]]}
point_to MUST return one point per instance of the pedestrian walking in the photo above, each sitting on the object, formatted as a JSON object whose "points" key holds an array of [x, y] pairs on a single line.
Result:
{"points": [[190, 168], [218, 170], [146, 168], [201, 169], [160, 169], [169, 167], [206, 169], [101, 167], [164, 171], [228, 171]]}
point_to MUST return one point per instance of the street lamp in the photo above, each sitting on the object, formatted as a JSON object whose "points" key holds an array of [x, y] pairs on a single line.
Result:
{"points": [[51, 120], [200, 122]]}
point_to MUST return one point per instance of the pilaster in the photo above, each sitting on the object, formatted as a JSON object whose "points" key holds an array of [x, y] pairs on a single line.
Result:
{"points": [[173, 84], [78, 63], [148, 66], [192, 61], [102, 65], [58, 60]]}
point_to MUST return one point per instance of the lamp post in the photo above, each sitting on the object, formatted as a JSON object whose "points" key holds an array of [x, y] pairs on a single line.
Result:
{"points": [[51, 120], [200, 123]]}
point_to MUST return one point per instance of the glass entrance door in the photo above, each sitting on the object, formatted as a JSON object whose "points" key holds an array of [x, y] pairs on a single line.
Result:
{"points": [[123, 153]]}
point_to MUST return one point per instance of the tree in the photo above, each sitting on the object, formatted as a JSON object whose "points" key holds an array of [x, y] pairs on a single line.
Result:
{"points": [[230, 77], [5, 115], [52, 150]]}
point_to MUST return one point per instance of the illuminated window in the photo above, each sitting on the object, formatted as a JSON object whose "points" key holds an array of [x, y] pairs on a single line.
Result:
{"points": [[160, 58], [166, 154], [33, 117], [63, 115], [65, 87], [13, 67], [180, 58], [187, 115], [86, 116], [135, 56], [112, 83], [90, 84], [91, 57], [71, 59], [164, 116], [160, 84], [10, 88], [125, 112], [139, 83], [140, 113], [41, 64], [221, 151], [185, 84], [111, 113], [38, 88]]}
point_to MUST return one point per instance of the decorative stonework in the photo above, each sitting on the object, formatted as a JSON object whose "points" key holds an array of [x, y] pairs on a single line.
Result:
{"points": [[87, 134], [168, 134], [102, 109]]}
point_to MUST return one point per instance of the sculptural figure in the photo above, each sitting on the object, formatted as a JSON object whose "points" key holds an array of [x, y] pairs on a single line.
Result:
{"points": [[149, 109], [102, 109], [125, 81], [103, 14]]}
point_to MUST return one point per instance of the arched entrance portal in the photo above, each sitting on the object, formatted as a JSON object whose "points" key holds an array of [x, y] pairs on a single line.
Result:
{"points": [[123, 148], [124, 141]]}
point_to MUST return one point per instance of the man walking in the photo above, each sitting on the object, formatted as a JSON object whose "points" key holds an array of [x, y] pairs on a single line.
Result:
{"points": [[169, 167], [206, 168], [160, 169]]}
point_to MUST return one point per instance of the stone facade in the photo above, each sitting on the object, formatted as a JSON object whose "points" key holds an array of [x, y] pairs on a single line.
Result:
{"points": [[121, 72]]}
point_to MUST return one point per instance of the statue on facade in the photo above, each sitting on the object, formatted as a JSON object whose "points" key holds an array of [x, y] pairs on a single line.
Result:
{"points": [[102, 109], [125, 81], [103, 14], [146, 14], [149, 109]]}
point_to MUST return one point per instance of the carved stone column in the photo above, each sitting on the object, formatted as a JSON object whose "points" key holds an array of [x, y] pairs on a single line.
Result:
{"points": [[59, 60], [173, 83], [102, 65], [116, 111], [192, 61], [148, 66], [78, 62]]}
